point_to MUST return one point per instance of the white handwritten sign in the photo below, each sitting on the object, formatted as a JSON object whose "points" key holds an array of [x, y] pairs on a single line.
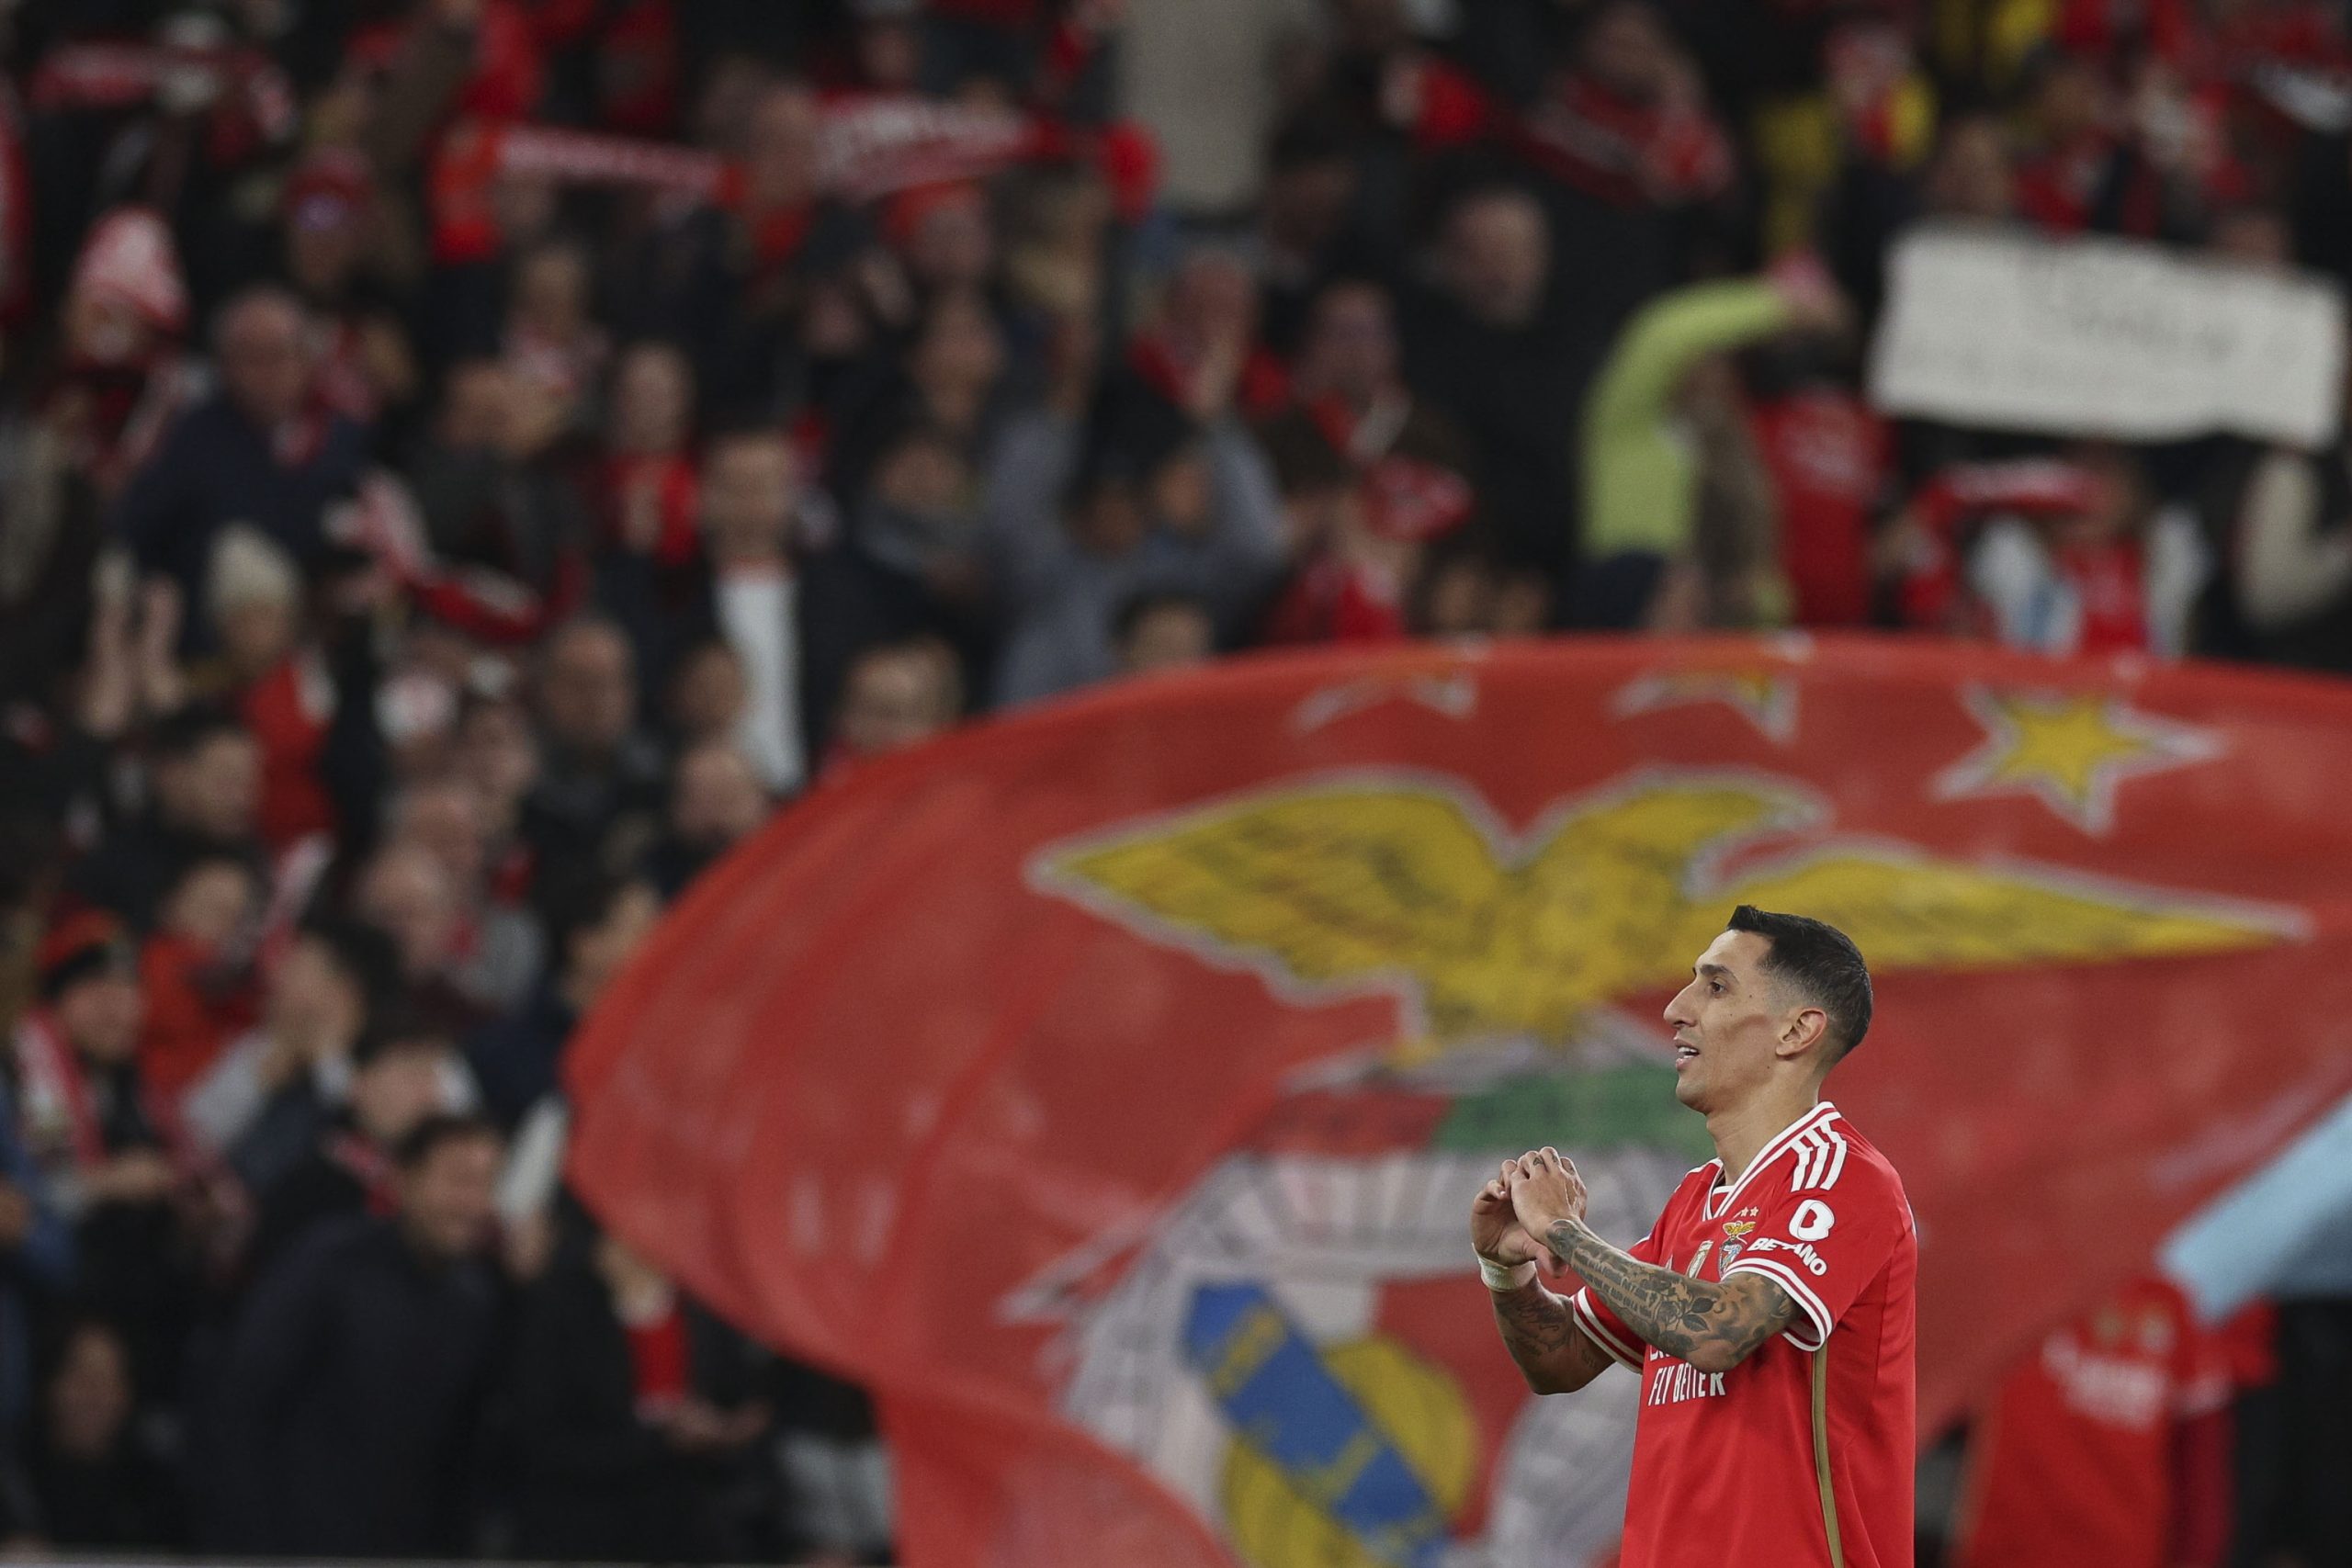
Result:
{"points": [[2104, 337]]}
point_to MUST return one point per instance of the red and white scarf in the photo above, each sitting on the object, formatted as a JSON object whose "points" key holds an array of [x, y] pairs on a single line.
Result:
{"points": [[55, 1106], [870, 147], [99, 75]]}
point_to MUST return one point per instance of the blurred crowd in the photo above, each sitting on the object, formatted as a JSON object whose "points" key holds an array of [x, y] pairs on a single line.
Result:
{"points": [[465, 463]]}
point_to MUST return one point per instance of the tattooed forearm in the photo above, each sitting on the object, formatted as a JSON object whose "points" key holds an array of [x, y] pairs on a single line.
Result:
{"points": [[1542, 1338], [1532, 1319], [1712, 1326]]}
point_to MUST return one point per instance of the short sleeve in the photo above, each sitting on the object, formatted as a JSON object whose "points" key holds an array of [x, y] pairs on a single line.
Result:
{"points": [[1604, 1327], [1825, 1227]]}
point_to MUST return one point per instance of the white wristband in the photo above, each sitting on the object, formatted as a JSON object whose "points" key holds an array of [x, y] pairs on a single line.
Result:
{"points": [[1500, 1279]]}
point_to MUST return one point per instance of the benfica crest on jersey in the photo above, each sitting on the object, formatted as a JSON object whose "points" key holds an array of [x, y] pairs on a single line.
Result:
{"points": [[1735, 1233], [1107, 1086]]}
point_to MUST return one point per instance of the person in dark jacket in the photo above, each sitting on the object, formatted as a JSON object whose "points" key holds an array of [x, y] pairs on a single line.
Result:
{"points": [[350, 1402], [600, 774], [630, 1417], [83, 1116], [90, 1480], [264, 450], [594, 922], [206, 773], [716, 802], [1491, 349], [401, 1074]]}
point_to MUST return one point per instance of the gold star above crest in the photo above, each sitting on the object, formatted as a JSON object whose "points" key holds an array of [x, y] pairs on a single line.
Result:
{"points": [[1766, 700], [2070, 751]]}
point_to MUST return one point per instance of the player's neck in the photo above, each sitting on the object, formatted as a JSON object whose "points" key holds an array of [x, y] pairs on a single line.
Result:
{"points": [[1741, 1131]]}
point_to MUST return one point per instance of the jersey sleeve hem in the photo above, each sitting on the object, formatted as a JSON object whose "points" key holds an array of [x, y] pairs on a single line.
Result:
{"points": [[1587, 1320], [1808, 1303]]}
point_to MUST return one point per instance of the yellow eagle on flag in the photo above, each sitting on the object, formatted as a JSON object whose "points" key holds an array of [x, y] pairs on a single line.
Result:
{"points": [[1399, 884]]}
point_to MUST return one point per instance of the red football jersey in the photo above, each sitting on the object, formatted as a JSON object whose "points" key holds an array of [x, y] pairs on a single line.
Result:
{"points": [[1802, 1453], [2076, 1459]]}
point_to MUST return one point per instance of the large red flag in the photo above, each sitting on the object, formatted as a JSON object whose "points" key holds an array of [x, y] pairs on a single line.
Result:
{"points": [[1106, 1086]]}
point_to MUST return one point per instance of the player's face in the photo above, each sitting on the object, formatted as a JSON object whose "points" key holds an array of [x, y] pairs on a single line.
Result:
{"points": [[1724, 1023]]}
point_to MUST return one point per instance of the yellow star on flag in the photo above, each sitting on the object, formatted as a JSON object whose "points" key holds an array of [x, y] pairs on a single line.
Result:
{"points": [[2070, 751]]}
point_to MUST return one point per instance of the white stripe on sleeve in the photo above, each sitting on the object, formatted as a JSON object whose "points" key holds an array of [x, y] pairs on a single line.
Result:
{"points": [[1799, 1292], [1590, 1323]]}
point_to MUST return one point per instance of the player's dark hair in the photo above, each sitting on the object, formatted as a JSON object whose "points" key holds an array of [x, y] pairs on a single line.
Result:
{"points": [[1821, 963]]}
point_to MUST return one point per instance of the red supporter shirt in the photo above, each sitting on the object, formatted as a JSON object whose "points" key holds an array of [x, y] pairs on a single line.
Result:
{"points": [[288, 710], [1827, 453], [1802, 1453], [2076, 1459]]}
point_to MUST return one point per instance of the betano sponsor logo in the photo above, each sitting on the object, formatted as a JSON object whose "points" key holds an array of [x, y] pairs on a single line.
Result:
{"points": [[1802, 1249]]}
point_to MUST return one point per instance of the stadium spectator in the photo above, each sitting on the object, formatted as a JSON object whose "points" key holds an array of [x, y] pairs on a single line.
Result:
{"points": [[193, 970], [646, 478], [84, 1114], [632, 1414], [205, 780], [1207, 80], [1412, 468], [261, 1102], [898, 694], [2075, 554], [494, 495], [93, 1478], [119, 378], [495, 752], [1156, 497], [748, 504], [551, 344], [2118, 570], [367, 367], [263, 450], [598, 769], [730, 275], [709, 697], [495, 949], [352, 1398], [1162, 631], [406, 892], [594, 922], [2111, 1438], [1489, 348], [715, 802], [1680, 518], [401, 1074], [276, 681]]}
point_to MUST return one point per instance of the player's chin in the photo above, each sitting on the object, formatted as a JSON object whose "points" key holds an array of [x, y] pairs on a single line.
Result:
{"points": [[1689, 1086]]}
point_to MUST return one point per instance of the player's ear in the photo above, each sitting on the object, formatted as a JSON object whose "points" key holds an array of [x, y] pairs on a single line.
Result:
{"points": [[1803, 1030]]}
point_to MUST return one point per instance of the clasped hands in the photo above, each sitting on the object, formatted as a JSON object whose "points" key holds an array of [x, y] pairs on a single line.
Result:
{"points": [[1513, 1212]]}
